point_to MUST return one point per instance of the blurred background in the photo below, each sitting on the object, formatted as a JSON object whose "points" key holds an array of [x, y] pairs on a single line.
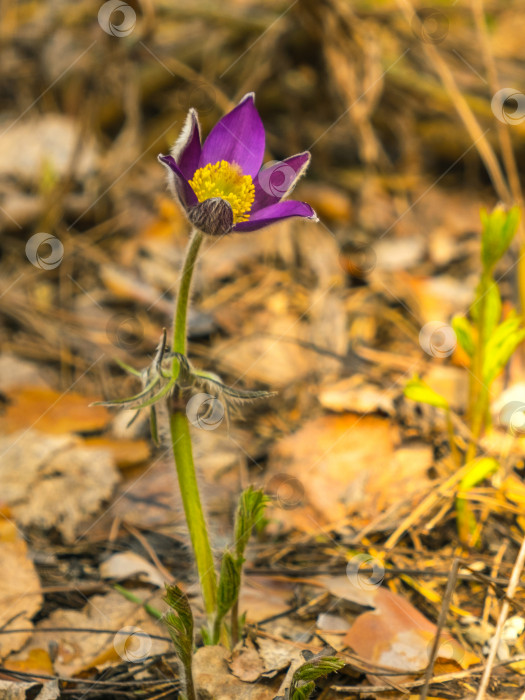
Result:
{"points": [[414, 118], [90, 95], [414, 114]]}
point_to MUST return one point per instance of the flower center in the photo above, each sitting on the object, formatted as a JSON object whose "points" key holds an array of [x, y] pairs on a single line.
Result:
{"points": [[225, 180]]}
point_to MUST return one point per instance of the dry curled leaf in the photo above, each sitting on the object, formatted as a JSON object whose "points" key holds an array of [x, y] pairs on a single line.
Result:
{"points": [[20, 592]]}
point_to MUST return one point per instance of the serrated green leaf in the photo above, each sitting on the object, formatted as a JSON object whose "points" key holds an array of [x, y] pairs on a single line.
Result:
{"points": [[304, 691], [179, 622], [249, 513], [417, 390], [317, 668], [499, 228], [229, 584]]}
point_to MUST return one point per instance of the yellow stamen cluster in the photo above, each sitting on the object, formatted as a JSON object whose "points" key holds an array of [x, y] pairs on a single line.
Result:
{"points": [[225, 180]]}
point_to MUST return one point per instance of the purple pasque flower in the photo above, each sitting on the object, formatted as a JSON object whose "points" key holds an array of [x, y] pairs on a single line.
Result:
{"points": [[221, 184]]}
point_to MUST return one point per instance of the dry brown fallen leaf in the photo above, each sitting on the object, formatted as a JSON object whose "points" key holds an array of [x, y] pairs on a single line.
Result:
{"points": [[396, 635], [48, 690], [20, 593], [61, 484], [126, 453], [126, 565], [79, 651], [262, 597], [264, 358], [245, 663], [52, 412], [358, 395], [215, 681], [16, 372], [342, 465], [276, 655]]}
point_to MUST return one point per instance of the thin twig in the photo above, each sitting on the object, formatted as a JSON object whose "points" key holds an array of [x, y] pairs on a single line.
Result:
{"points": [[440, 624], [513, 584], [466, 114]]}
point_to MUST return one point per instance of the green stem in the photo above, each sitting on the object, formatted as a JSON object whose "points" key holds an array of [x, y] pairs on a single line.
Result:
{"points": [[478, 392], [150, 609], [235, 622], [181, 442], [182, 449], [181, 311]]}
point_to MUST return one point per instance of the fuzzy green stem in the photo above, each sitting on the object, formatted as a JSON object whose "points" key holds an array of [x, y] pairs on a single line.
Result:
{"points": [[181, 441], [181, 311], [235, 622], [182, 449]]}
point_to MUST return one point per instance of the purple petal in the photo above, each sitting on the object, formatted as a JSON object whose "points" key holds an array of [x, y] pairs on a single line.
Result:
{"points": [[276, 212], [179, 183], [276, 180], [237, 138], [187, 149]]}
